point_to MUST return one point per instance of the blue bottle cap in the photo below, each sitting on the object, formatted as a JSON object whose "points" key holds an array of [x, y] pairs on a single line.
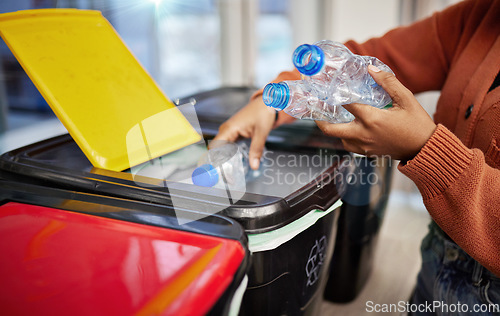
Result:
{"points": [[205, 176], [308, 59], [276, 95]]}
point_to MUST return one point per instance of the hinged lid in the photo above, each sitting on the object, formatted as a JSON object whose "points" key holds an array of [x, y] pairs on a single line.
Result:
{"points": [[110, 105]]}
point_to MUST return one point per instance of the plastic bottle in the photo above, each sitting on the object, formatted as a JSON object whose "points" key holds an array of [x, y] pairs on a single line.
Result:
{"points": [[225, 165], [337, 76], [298, 100]]}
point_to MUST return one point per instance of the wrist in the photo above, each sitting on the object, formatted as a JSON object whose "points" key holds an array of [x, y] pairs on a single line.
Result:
{"points": [[425, 135]]}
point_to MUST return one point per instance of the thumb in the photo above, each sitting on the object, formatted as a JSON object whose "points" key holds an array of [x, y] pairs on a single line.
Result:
{"points": [[396, 90]]}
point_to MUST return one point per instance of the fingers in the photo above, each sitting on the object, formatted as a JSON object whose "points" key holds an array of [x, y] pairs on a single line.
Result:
{"points": [[390, 84], [363, 114], [339, 130], [231, 134], [359, 110], [256, 148], [227, 133]]}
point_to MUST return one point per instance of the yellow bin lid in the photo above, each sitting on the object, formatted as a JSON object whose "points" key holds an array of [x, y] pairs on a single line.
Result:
{"points": [[109, 104]]}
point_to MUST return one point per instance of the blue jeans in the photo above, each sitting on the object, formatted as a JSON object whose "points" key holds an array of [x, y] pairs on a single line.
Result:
{"points": [[450, 282]]}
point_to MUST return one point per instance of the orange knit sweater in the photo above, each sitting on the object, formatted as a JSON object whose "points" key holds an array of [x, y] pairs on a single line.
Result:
{"points": [[456, 51]]}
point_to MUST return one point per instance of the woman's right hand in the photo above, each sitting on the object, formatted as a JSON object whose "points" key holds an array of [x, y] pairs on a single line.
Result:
{"points": [[254, 121]]}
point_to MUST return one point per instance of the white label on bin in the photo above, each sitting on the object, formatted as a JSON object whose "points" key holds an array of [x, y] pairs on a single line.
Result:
{"points": [[275, 238], [315, 261]]}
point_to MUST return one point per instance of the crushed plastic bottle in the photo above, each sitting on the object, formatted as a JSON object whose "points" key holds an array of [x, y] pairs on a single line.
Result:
{"points": [[296, 99], [338, 76], [225, 164], [334, 76]]}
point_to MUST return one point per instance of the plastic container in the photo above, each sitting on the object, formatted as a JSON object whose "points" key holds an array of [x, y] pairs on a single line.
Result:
{"points": [[297, 99], [221, 165], [225, 165], [332, 77], [78, 254], [337, 76]]}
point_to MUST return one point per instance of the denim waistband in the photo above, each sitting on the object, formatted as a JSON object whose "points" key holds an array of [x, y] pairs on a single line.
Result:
{"points": [[452, 254]]}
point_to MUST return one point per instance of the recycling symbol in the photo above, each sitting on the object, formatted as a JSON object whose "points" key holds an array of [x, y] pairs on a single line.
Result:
{"points": [[315, 261]]}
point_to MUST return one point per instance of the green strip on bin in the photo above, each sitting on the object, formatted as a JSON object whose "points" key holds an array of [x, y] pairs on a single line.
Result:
{"points": [[274, 239]]}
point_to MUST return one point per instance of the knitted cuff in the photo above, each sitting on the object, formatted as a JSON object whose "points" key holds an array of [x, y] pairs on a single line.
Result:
{"points": [[438, 164]]}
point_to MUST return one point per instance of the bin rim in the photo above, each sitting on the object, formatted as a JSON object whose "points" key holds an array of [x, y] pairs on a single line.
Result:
{"points": [[139, 212], [261, 214], [266, 213]]}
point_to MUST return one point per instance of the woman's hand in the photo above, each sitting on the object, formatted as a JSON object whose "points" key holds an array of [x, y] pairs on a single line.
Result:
{"points": [[254, 121], [400, 131]]}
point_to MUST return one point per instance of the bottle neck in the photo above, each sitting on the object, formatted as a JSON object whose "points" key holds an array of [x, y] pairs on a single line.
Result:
{"points": [[277, 95], [308, 59]]}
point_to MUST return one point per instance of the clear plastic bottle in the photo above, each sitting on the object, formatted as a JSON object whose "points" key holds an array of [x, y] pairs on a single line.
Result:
{"points": [[337, 76], [296, 99], [225, 165]]}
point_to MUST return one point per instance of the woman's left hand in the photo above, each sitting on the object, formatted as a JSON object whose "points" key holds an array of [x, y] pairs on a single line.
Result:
{"points": [[400, 131]]}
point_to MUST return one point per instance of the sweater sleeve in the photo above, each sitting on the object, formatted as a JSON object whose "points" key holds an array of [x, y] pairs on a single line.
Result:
{"points": [[461, 193]]}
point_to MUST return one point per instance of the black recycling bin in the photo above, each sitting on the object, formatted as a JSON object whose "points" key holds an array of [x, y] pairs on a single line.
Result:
{"points": [[364, 185], [365, 193], [74, 253], [289, 212]]}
